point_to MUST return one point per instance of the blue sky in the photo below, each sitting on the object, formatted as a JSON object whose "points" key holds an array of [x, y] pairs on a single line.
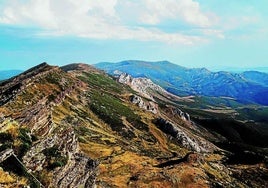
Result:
{"points": [[192, 33]]}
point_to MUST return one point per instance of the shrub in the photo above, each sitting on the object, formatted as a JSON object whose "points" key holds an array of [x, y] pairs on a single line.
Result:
{"points": [[5, 137], [54, 158]]}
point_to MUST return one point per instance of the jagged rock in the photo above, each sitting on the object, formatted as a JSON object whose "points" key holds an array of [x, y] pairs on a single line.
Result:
{"points": [[141, 85], [125, 78], [137, 100], [183, 115], [186, 140], [148, 106], [81, 171], [187, 116], [152, 107], [6, 154]]}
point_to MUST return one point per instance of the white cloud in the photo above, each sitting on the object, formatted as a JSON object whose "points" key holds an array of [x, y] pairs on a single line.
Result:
{"points": [[186, 10], [213, 32], [235, 22], [101, 19]]}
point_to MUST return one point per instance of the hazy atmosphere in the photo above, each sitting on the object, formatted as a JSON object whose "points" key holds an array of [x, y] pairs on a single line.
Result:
{"points": [[202, 33]]}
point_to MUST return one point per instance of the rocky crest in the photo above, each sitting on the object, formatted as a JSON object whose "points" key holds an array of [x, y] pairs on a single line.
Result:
{"points": [[56, 149], [10, 88]]}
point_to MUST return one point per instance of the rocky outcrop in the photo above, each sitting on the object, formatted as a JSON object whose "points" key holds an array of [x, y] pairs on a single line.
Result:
{"points": [[6, 154], [141, 85], [67, 91], [176, 111], [186, 140], [9, 93], [37, 117], [148, 105], [184, 115], [79, 170]]}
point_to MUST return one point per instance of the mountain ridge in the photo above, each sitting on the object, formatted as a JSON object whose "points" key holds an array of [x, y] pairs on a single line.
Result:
{"points": [[197, 81], [77, 126]]}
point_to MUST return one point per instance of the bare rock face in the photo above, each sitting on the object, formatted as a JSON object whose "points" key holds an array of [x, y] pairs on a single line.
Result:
{"points": [[186, 140], [176, 112], [125, 78], [141, 85], [80, 171], [6, 154], [185, 116], [148, 106]]}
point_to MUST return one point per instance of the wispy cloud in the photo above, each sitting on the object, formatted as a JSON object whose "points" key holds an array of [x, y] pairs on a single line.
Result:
{"points": [[111, 19], [154, 12]]}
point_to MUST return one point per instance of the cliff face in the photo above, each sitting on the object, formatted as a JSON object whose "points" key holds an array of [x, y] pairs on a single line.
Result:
{"points": [[144, 86], [78, 127]]}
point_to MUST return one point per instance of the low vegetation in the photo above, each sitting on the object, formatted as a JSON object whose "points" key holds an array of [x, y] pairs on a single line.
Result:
{"points": [[111, 110], [104, 82], [54, 158]]}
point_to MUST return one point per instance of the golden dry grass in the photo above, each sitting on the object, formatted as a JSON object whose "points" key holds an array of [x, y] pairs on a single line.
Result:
{"points": [[5, 177], [11, 181], [95, 151]]}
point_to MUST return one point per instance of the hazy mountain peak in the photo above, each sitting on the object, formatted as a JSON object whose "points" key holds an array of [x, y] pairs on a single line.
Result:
{"points": [[78, 67]]}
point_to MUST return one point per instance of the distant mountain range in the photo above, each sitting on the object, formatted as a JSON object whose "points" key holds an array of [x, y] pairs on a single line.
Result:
{"points": [[9, 73], [239, 69], [246, 87]]}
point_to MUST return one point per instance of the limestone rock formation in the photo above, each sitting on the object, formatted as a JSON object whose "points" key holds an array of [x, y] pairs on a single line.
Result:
{"points": [[141, 85], [187, 140], [148, 105]]}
